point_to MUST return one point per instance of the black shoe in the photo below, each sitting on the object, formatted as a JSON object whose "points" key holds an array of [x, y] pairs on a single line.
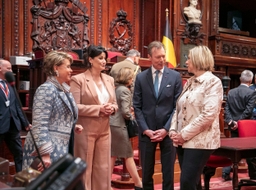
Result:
{"points": [[226, 177], [137, 188]]}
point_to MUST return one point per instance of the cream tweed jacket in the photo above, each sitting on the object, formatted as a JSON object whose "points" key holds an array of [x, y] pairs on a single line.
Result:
{"points": [[200, 112]]}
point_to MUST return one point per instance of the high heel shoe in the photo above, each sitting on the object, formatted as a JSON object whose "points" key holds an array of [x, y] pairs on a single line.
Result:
{"points": [[137, 188]]}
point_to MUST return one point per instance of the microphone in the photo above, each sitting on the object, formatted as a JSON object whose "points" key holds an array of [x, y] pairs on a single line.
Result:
{"points": [[11, 80]]}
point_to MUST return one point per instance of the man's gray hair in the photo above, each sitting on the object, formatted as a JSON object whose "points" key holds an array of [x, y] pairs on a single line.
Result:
{"points": [[133, 53], [246, 76]]}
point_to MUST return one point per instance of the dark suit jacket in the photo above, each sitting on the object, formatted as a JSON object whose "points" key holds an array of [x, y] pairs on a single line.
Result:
{"points": [[13, 111], [151, 112], [240, 103]]}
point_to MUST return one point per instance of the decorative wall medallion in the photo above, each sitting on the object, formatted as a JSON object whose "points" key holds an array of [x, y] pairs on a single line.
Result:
{"points": [[235, 49], [226, 48], [121, 33], [245, 51], [253, 51]]}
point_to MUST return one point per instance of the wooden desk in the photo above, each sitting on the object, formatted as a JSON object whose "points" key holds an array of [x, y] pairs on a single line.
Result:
{"points": [[236, 149]]}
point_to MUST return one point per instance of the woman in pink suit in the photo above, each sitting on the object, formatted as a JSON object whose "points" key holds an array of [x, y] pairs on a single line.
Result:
{"points": [[94, 93]]}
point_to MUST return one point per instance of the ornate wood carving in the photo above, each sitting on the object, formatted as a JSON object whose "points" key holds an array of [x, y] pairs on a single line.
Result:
{"points": [[3, 26], [232, 50], [134, 20], [26, 11], [120, 32], [92, 23], [99, 21], [238, 50], [59, 27], [215, 16], [192, 34], [16, 27]]}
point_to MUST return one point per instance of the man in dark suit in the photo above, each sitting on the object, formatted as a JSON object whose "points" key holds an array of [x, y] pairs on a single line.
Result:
{"points": [[154, 101], [253, 87], [132, 61], [239, 105], [11, 116]]}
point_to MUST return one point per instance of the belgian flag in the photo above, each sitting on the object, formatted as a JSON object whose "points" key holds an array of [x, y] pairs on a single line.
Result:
{"points": [[167, 41]]}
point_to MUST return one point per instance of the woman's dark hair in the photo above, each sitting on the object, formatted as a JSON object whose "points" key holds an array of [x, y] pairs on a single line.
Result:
{"points": [[93, 51]]}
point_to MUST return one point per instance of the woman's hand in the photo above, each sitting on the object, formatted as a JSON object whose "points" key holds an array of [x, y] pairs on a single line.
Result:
{"points": [[107, 109], [172, 133], [177, 139], [47, 162], [78, 128], [28, 127]]}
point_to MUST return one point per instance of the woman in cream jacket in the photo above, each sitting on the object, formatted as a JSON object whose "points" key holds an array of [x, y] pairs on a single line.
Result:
{"points": [[195, 124]]}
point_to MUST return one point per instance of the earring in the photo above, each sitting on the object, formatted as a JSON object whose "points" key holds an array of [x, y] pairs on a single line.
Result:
{"points": [[57, 73]]}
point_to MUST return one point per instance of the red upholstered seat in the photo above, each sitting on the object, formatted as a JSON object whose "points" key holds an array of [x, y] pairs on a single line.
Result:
{"points": [[246, 128], [39, 53], [74, 55], [112, 54], [210, 168], [218, 161]]}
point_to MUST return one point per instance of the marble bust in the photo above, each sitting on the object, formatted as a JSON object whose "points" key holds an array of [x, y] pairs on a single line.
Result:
{"points": [[192, 13]]}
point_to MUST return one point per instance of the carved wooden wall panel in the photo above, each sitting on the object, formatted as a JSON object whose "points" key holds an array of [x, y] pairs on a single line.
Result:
{"points": [[152, 21], [123, 29], [233, 51], [214, 17], [15, 28], [1, 30], [59, 25], [16, 24]]}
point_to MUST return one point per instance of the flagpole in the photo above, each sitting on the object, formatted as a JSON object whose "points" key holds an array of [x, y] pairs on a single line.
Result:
{"points": [[166, 13], [167, 41]]}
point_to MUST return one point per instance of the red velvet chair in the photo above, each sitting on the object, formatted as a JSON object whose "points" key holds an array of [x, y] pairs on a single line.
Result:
{"points": [[112, 54], [246, 128], [210, 169]]}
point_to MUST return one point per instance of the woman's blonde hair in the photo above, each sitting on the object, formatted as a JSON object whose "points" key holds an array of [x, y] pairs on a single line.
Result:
{"points": [[124, 75], [54, 58], [201, 58]]}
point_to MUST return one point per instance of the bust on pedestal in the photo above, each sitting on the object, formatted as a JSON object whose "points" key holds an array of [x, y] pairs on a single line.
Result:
{"points": [[192, 13]]}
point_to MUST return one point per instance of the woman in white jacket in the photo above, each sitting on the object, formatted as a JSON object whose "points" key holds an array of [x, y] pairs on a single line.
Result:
{"points": [[195, 125]]}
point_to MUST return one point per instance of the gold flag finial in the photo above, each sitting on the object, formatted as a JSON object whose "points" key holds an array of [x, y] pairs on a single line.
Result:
{"points": [[166, 12]]}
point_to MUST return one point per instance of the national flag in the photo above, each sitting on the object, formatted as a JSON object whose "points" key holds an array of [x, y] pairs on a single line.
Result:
{"points": [[167, 41]]}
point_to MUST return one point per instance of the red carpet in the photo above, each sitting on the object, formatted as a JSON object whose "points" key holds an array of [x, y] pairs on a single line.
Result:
{"points": [[215, 183]]}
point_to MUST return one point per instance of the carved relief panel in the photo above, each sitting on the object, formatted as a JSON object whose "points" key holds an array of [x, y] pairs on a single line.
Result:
{"points": [[59, 25], [120, 33]]}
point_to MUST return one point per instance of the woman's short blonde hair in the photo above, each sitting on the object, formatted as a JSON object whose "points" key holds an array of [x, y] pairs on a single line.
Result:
{"points": [[124, 75], [54, 58], [201, 58]]}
